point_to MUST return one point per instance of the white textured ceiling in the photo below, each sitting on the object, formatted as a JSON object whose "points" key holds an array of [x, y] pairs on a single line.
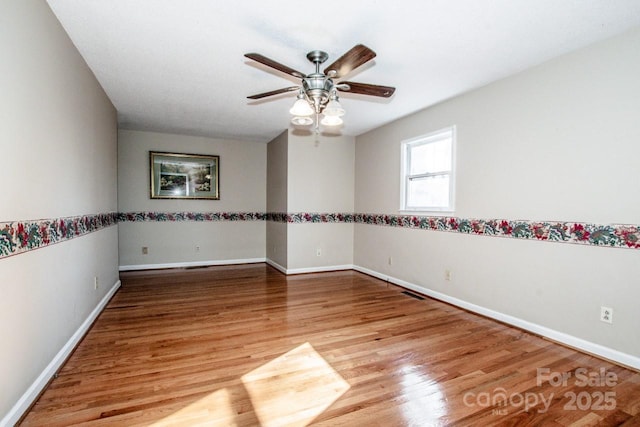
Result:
{"points": [[177, 66]]}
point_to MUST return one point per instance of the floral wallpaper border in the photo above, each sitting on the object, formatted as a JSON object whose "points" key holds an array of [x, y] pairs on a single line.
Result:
{"points": [[618, 235], [190, 216], [21, 236]]}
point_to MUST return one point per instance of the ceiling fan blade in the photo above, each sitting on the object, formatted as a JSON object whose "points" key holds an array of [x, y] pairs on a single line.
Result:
{"points": [[358, 55], [273, 64], [366, 89], [274, 92]]}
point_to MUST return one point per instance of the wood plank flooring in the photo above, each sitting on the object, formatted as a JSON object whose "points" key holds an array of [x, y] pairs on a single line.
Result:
{"points": [[248, 346]]}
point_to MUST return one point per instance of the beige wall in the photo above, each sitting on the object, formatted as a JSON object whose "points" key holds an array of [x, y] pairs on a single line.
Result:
{"points": [[242, 189], [309, 174], [557, 142], [321, 173], [277, 161], [277, 244], [320, 179], [58, 141], [334, 240], [277, 199]]}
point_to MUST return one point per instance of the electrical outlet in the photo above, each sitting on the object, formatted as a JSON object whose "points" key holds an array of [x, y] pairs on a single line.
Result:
{"points": [[606, 314], [390, 261], [145, 250], [197, 248], [447, 275], [95, 282], [318, 252]]}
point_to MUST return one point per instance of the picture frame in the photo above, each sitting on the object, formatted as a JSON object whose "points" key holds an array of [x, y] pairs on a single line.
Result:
{"points": [[184, 176]]}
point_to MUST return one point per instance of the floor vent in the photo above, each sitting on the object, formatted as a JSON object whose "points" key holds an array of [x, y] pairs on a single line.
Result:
{"points": [[412, 295]]}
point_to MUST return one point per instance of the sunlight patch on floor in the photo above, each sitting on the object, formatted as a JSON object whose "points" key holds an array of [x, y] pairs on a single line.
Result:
{"points": [[293, 389], [213, 409]]}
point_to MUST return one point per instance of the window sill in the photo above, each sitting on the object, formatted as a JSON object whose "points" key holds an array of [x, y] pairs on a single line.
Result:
{"points": [[427, 211]]}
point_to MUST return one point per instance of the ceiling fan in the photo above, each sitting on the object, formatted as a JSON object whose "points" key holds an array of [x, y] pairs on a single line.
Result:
{"points": [[317, 93]]}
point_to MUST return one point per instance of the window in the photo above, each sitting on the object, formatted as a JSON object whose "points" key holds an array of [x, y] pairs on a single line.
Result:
{"points": [[428, 172]]}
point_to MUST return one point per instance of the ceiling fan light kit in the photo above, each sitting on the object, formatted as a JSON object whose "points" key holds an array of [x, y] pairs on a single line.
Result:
{"points": [[302, 120], [318, 93], [331, 121], [333, 107], [301, 107]]}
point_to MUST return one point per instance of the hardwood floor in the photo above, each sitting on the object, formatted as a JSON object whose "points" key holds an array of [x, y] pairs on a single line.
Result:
{"points": [[248, 346]]}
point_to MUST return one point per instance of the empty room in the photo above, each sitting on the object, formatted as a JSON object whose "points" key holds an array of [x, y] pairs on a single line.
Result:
{"points": [[272, 213]]}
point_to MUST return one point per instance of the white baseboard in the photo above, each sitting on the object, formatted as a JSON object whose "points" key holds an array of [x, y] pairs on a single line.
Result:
{"points": [[569, 340], [304, 270], [319, 269], [277, 266], [32, 393], [191, 264]]}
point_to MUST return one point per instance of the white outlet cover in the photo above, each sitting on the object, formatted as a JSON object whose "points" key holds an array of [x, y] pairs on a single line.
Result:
{"points": [[606, 314]]}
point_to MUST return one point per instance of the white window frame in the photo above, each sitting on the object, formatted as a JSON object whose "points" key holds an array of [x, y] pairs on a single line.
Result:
{"points": [[439, 135]]}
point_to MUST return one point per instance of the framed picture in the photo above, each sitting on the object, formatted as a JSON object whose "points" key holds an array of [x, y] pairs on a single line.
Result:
{"points": [[184, 176]]}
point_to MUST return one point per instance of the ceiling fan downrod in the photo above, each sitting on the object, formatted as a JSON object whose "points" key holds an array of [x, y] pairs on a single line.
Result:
{"points": [[317, 86]]}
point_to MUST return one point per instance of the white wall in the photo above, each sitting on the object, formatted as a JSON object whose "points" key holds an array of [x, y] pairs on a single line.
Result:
{"points": [[557, 142], [242, 189], [58, 141]]}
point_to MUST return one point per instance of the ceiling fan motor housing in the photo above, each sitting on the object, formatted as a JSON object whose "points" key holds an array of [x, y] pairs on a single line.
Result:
{"points": [[317, 87]]}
